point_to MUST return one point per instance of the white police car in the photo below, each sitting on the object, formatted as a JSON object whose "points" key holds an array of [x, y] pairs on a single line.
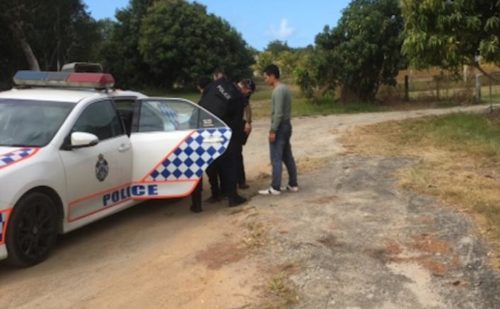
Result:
{"points": [[74, 150]]}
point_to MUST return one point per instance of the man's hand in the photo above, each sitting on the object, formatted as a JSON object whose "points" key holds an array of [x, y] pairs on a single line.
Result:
{"points": [[248, 128], [272, 137]]}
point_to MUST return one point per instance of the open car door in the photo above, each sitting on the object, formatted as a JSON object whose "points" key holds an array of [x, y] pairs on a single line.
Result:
{"points": [[173, 141]]}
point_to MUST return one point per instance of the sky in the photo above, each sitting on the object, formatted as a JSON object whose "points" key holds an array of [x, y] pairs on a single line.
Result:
{"points": [[258, 21]]}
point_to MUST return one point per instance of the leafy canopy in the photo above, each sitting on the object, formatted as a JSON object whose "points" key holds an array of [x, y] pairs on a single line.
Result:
{"points": [[180, 42], [362, 51], [450, 33]]}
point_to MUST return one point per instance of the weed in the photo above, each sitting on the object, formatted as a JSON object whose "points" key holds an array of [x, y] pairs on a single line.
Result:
{"points": [[256, 235], [280, 286]]}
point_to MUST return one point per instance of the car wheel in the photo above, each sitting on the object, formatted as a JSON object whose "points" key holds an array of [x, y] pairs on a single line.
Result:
{"points": [[32, 230]]}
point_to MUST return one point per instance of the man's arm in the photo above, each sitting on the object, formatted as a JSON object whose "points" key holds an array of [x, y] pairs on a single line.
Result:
{"points": [[277, 116], [248, 119], [278, 103]]}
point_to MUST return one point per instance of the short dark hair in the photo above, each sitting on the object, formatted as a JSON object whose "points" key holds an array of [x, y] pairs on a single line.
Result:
{"points": [[219, 71], [203, 81], [249, 84], [272, 69]]}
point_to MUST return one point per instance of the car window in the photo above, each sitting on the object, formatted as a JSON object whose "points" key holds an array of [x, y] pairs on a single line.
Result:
{"points": [[29, 123], [101, 119], [125, 109], [172, 114]]}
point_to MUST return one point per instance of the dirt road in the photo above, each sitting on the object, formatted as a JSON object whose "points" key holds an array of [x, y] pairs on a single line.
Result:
{"points": [[349, 239]]}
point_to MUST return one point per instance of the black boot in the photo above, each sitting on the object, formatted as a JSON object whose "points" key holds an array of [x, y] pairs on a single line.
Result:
{"points": [[195, 209], [236, 200]]}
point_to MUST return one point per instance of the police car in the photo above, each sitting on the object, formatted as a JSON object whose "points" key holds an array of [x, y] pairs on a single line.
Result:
{"points": [[74, 150]]}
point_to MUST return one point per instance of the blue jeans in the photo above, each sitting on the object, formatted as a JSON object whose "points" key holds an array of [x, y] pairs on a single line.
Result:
{"points": [[281, 151]]}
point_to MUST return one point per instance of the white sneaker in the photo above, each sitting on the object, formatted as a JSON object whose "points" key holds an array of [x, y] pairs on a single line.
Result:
{"points": [[269, 191], [290, 188]]}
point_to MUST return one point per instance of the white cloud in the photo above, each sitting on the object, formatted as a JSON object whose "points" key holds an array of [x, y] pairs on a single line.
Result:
{"points": [[283, 32]]}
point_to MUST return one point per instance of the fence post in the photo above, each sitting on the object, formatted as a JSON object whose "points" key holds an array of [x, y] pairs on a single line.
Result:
{"points": [[407, 88], [478, 88], [437, 80], [491, 95]]}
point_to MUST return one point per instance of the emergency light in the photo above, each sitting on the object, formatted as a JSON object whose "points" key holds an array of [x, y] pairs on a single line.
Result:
{"points": [[64, 79]]}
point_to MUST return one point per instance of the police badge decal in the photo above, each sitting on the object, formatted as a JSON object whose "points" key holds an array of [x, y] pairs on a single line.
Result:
{"points": [[101, 168]]}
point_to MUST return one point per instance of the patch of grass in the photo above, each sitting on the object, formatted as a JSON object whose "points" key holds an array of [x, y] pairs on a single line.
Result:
{"points": [[280, 286], [255, 236], [459, 161], [467, 133]]}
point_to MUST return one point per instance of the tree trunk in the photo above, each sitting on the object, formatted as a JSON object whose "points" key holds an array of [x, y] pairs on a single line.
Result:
{"points": [[18, 34]]}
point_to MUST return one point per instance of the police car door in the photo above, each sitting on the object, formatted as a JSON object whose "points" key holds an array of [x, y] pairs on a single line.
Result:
{"points": [[98, 176], [173, 141]]}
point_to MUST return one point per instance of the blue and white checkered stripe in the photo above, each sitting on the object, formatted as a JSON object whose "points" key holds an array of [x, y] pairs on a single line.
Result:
{"points": [[2, 223], [170, 114], [192, 157], [14, 156]]}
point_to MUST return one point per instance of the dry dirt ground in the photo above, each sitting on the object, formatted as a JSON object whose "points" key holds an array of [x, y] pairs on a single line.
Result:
{"points": [[349, 239]]}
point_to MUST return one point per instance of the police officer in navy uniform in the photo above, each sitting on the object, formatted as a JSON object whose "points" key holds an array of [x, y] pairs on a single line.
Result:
{"points": [[246, 87], [196, 206], [224, 100]]}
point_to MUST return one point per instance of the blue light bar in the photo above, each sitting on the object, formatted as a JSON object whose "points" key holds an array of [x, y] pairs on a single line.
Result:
{"points": [[64, 79]]}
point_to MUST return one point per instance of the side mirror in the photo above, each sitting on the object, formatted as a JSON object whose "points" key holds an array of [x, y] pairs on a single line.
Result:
{"points": [[83, 139]]}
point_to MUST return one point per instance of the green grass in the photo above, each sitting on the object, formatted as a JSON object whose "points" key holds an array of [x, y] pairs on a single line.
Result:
{"points": [[458, 159], [261, 102], [303, 107], [471, 133]]}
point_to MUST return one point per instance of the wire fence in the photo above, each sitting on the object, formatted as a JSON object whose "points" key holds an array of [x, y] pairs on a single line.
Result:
{"points": [[469, 88]]}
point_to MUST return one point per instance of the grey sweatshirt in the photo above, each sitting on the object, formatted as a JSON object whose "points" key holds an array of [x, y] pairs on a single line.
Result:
{"points": [[281, 106]]}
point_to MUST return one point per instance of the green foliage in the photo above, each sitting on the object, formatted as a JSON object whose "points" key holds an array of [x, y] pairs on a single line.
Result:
{"points": [[363, 51], [120, 53], [276, 47], [45, 35], [470, 133], [449, 33], [312, 72], [180, 42], [263, 60], [57, 31]]}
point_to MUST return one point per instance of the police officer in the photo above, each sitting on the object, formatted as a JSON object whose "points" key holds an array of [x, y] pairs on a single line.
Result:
{"points": [[196, 207], [224, 100], [246, 87]]}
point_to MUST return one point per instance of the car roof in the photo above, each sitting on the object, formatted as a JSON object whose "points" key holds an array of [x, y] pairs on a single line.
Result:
{"points": [[64, 95]]}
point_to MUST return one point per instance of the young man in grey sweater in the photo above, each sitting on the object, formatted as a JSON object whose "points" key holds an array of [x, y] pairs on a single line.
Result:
{"points": [[280, 134]]}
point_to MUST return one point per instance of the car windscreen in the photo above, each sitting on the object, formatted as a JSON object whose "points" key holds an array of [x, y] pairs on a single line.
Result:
{"points": [[29, 123]]}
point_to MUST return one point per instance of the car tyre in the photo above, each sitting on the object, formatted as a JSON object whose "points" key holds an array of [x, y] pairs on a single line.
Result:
{"points": [[32, 230]]}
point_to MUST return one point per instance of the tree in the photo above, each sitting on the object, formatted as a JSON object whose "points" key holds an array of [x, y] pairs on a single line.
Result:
{"points": [[51, 33], [276, 47], [121, 54], [451, 33], [181, 42], [11, 12], [263, 60], [363, 51], [10, 57]]}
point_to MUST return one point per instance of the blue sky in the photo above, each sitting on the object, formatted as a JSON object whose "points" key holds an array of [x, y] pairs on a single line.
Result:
{"points": [[259, 21]]}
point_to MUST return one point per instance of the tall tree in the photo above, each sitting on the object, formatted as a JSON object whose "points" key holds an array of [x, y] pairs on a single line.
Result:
{"points": [[50, 32], [363, 50], [121, 54], [451, 33], [10, 57], [17, 15], [181, 41], [276, 47], [65, 33]]}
